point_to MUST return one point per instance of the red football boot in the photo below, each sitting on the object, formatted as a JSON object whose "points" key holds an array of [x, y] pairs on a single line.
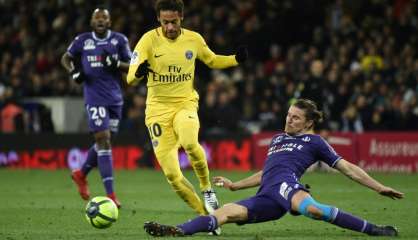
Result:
{"points": [[115, 199], [80, 180]]}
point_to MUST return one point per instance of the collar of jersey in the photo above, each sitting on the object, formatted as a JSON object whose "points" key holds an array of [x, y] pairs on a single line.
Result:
{"points": [[101, 39], [170, 40], [298, 135]]}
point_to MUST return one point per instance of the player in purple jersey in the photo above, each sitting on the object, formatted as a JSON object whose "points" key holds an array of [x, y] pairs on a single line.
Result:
{"points": [[289, 155], [98, 59]]}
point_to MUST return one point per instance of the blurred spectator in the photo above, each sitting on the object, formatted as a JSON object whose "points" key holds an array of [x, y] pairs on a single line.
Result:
{"points": [[12, 119], [134, 117], [357, 58], [313, 86], [351, 120]]}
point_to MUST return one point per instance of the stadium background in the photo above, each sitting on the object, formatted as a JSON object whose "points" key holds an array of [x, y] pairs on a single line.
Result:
{"points": [[357, 58]]}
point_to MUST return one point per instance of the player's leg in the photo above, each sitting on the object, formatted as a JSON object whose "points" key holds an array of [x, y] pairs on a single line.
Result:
{"points": [[115, 114], [79, 176], [228, 213], [186, 126], [103, 120], [91, 160], [165, 146], [303, 203], [256, 209]]}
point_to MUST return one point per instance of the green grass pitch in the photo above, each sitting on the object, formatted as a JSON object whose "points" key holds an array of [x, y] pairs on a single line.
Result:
{"points": [[39, 204]]}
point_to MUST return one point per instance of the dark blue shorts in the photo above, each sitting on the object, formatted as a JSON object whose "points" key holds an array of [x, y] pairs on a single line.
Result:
{"points": [[270, 203], [103, 117]]}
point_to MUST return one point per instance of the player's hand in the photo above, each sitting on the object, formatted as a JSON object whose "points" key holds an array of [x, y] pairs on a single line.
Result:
{"points": [[223, 182], [109, 62], [142, 70], [390, 192], [242, 54], [77, 75]]}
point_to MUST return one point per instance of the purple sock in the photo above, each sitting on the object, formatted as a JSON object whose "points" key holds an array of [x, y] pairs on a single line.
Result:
{"points": [[106, 169], [91, 160], [346, 220], [199, 224]]}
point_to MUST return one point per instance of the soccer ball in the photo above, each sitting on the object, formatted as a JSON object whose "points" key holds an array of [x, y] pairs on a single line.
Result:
{"points": [[101, 212]]}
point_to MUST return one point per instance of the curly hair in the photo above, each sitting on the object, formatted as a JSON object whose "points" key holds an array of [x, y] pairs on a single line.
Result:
{"points": [[173, 5]]}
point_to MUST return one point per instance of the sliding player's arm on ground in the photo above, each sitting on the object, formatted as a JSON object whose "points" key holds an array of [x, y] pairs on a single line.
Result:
{"points": [[251, 181], [139, 56], [211, 59], [359, 175]]}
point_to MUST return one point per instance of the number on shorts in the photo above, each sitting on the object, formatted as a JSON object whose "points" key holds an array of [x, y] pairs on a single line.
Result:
{"points": [[97, 112], [155, 130]]}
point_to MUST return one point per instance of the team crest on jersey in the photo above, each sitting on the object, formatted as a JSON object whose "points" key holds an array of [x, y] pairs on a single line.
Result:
{"points": [[278, 139], [134, 58], [114, 41], [189, 54], [89, 44], [306, 139]]}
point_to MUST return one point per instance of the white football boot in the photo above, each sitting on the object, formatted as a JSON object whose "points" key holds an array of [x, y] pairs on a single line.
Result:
{"points": [[211, 204]]}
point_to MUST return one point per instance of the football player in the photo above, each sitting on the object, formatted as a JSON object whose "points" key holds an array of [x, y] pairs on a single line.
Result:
{"points": [[289, 155], [97, 59], [166, 56]]}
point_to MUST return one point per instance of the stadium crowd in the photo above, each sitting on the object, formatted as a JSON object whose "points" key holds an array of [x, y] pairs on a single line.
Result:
{"points": [[358, 59]]}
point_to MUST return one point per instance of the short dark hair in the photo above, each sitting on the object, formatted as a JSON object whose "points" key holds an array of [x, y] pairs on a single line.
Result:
{"points": [[311, 110], [172, 5], [100, 8]]}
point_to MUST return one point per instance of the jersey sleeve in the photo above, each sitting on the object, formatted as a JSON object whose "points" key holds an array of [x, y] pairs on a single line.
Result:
{"points": [[125, 50], [139, 55], [326, 153], [75, 47], [212, 60]]}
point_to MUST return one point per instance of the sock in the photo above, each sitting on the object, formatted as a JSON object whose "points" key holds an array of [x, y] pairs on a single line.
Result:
{"points": [[346, 220], [199, 224], [91, 160], [197, 158], [105, 167]]}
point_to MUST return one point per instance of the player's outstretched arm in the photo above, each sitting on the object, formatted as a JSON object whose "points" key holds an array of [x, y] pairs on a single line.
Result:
{"points": [[359, 175], [251, 181], [212, 60]]}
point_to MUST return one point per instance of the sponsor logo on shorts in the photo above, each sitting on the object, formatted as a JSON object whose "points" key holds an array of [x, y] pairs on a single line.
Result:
{"points": [[285, 189], [98, 122]]}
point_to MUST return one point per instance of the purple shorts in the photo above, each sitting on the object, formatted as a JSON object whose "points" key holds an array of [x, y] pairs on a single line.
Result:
{"points": [[270, 203], [102, 118]]}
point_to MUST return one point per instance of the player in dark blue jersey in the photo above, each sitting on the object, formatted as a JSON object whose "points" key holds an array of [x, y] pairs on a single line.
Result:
{"points": [[97, 59], [288, 157]]}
